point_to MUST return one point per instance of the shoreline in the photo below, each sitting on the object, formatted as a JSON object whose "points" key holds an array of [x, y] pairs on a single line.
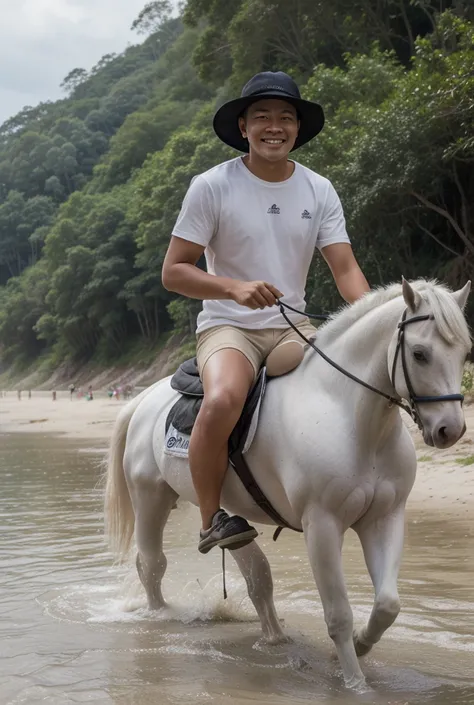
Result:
{"points": [[444, 482]]}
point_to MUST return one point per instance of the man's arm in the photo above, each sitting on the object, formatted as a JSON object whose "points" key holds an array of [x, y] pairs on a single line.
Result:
{"points": [[180, 274], [347, 274]]}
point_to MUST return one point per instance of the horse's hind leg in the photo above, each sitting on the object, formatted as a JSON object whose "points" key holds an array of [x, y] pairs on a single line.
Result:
{"points": [[152, 504], [255, 568]]}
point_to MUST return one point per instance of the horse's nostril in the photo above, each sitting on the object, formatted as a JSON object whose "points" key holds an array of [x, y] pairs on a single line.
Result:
{"points": [[445, 437]]}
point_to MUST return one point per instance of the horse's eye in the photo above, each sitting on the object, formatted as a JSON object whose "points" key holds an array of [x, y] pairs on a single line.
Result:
{"points": [[419, 356]]}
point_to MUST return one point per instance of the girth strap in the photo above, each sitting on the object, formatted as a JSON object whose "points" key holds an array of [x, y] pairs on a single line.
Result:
{"points": [[240, 466]]}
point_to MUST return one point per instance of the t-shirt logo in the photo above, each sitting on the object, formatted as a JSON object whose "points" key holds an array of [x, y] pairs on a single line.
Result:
{"points": [[274, 209], [306, 214]]}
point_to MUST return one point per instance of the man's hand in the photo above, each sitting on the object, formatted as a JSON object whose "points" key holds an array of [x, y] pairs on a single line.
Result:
{"points": [[254, 294], [180, 274]]}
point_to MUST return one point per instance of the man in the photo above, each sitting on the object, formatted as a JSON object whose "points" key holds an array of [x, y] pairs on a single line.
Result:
{"points": [[257, 219]]}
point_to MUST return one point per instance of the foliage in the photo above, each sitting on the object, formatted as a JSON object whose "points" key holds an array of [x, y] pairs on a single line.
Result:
{"points": [[21, 304], [467, 380], [245, 36], [91, 185], [152, 17]]}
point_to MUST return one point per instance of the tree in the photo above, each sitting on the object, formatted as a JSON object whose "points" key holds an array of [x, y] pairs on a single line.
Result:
{"points": [[74, 79], [20, 218], [399, 149], [152, 17], [22, 302]]}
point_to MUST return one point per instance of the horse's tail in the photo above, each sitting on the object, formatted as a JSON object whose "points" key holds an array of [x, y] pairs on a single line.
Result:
{"points": [[118, 509]]}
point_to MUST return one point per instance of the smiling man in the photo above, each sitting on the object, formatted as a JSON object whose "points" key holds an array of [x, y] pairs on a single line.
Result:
{"points": [[258, 219]]}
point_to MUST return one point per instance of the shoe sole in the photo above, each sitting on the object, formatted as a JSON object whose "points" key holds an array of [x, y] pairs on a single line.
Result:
{"points": [[231, 542]]}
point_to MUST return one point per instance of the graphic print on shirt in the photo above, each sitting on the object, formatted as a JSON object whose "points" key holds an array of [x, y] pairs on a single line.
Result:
{"points": [[306, 214], [274, 209]]}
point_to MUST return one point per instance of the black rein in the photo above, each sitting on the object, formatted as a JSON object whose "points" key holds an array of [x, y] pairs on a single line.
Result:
{"points": [[410, 408]]}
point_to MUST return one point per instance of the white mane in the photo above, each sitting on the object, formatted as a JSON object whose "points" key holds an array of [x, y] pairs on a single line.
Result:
{"points": [[448, 316]]}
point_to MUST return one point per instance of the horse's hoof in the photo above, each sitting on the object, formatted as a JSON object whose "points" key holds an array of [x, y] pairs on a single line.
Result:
{"points": [[359, 686], [157, 605], [277, 640], [361, 648]]}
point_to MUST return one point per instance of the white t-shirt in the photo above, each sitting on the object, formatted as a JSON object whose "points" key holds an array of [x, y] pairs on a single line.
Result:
{"points": [[259, 230]]}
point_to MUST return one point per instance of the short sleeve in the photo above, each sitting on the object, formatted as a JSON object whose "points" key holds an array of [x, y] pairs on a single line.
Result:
{"points": [[197, 219], [332, 229]]}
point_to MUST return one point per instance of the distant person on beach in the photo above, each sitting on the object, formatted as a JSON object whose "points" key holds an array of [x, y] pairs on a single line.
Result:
{"points": [[90, 396], [72, 389]]}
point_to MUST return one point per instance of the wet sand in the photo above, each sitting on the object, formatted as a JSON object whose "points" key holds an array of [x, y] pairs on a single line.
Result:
{"points": [[445, 479]]}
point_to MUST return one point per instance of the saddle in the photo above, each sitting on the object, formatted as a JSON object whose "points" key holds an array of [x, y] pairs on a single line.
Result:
{"points": [[182, 416]]}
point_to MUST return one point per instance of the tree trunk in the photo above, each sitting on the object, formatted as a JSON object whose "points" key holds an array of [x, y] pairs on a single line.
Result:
{"points": [[137, 313]]}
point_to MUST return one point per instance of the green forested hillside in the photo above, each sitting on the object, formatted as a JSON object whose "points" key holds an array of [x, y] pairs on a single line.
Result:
{"points": [[90, 185]]}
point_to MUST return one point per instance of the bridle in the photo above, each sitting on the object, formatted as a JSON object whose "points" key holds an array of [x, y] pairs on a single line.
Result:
{"points": [[413, 400]]}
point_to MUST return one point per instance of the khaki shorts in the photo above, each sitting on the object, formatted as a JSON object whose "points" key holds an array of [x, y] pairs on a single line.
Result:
{"points": [[256, 345]]}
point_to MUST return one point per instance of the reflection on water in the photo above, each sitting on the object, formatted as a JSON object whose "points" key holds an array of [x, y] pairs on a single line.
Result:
{"points": [[75, 629]]}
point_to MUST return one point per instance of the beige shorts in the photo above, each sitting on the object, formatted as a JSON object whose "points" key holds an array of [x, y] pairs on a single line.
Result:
{"points": [[256, 345]]}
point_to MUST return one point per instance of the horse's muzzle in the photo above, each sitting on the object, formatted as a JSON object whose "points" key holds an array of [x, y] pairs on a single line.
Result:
{"points": [[444, 435]]}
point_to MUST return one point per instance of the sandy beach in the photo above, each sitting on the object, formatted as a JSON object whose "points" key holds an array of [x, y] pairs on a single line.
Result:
{"points": [[445, 479], [76, 418]]}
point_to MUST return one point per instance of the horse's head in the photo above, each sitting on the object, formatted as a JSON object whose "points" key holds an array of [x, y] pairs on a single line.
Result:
{"points": [[426, 359]]}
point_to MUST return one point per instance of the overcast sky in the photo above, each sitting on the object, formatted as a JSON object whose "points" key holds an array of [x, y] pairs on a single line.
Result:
{"points": [[42, 40]]}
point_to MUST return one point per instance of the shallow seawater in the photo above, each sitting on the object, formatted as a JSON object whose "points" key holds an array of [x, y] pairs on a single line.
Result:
{"points": [[75, 629]]}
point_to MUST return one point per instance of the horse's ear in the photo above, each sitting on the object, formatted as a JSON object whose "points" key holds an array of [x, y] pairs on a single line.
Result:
{"points": [[461, 295], [412, 297]]}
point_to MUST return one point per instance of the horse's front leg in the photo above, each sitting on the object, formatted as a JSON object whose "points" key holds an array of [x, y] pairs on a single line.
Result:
{"points": [[382, 542], [324, 538]]}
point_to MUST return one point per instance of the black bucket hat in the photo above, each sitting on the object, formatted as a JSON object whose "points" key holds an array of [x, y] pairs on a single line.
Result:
{"points": [[267, 85]]}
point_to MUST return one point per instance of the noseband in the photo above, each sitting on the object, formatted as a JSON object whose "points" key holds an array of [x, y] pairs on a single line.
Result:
{"points": [[412, 407]]}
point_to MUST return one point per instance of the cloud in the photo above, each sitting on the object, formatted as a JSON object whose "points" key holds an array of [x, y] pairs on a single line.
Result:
{"points": [[41, 41]]}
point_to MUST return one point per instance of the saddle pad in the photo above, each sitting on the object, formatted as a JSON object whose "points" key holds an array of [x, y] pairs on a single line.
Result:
{"points": [[176, 443], [183, 413]]}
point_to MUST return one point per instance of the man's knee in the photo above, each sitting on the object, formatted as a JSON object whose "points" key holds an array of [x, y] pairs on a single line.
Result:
{"points": [[284, 358], [221, 407]]}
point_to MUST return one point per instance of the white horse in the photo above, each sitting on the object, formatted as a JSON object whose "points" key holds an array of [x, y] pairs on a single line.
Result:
{"points": [[328, 453]]}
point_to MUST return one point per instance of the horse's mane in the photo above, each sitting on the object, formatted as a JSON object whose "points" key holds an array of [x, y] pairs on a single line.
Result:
{"points": [[448, 316]]}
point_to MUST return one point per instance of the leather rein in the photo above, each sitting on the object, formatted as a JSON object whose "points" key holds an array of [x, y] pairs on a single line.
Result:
{"points": [[412, 406]]}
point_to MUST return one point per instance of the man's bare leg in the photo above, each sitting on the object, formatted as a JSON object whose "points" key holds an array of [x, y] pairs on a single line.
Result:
{"points": [[227, 378]]}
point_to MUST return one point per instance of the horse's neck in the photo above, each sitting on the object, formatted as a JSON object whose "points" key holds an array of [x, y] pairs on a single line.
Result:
{"points": [[362, 350]]}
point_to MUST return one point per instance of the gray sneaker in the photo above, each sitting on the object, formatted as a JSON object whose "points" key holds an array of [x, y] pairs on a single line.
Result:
{"points": [[226, 532]]}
